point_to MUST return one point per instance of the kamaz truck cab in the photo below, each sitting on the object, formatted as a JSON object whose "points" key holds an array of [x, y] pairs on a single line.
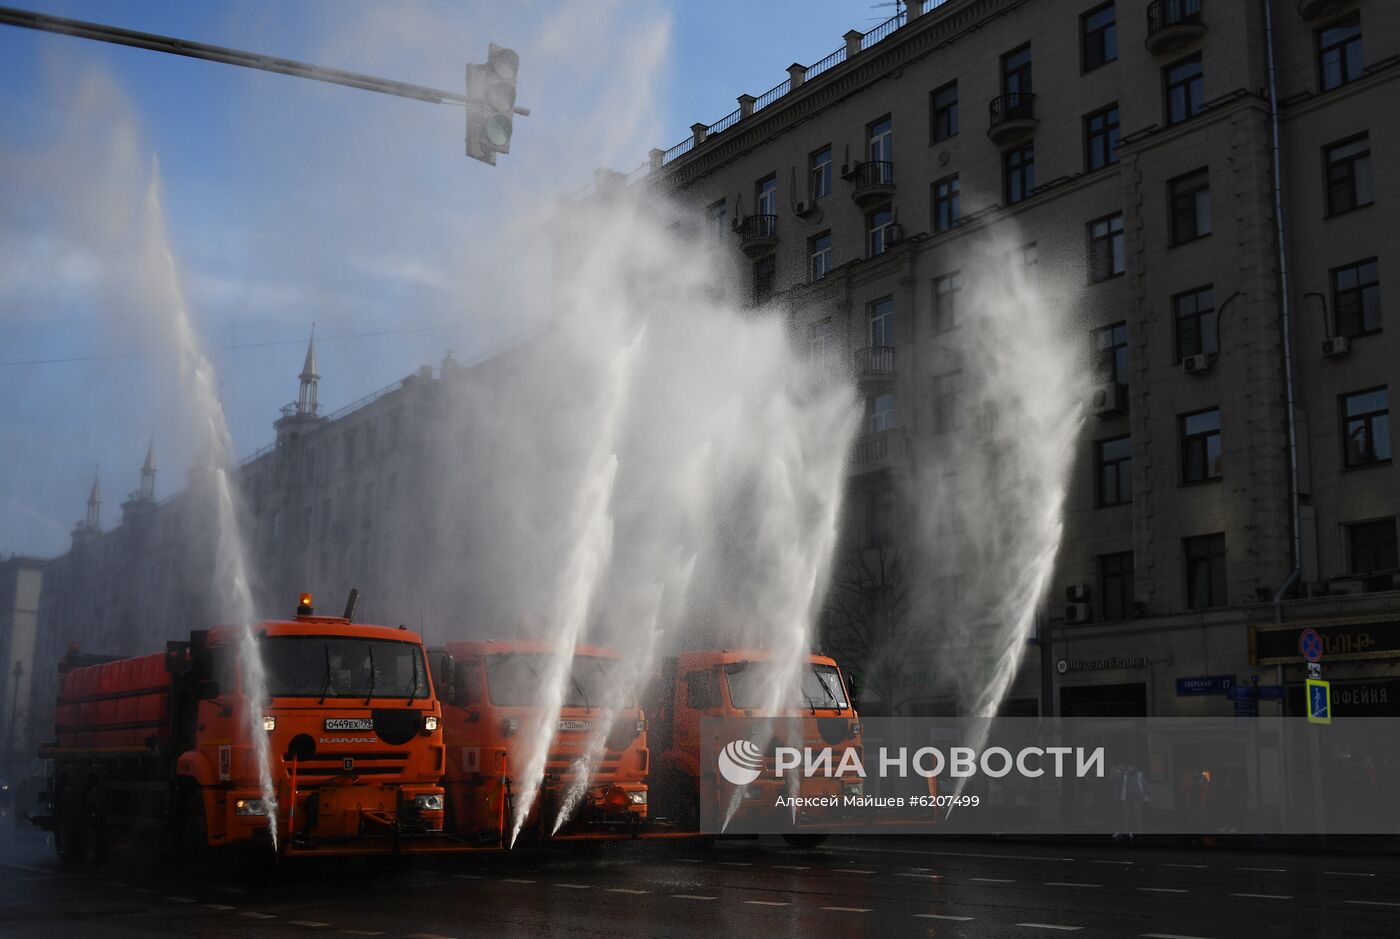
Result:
{"points": [[492, 721]]}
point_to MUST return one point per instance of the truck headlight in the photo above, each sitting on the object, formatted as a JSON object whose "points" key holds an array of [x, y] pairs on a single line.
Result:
{"points": [[637, 797], [428, 803], [430, 722], [509, 726], [249, 807], [269, 722]]}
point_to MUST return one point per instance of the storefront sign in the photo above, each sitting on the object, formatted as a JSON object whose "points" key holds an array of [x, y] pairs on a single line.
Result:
{"points": [[1204, 684], [1356, 637], [1065, 666]]}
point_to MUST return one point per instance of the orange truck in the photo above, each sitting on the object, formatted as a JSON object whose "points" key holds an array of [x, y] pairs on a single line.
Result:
{"points": [[161, 745], [492, 719], [732, 683]]}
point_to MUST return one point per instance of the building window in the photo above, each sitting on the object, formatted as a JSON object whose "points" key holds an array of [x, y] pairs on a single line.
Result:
{"points": [[819, 247], [1366, 427], [715, 215], [1356, 299], [1098, 42], [880, 518], [819, 173], [1106, 247], [880, 139], [881, 412], [1111, 348], [1183, 89], [819, 342], [1205, 571], [946, 203], [1371, 546], [1116, 591], [765, 195], [1113, 472], [1018, 171], [943, 108], [765, 275], [945, 301], [1348, 174], [947, 389], [1016, 76], [1197, 325], [880, 316], [1339, 52], [1200, 446], [878, 224], [1190, 206], [1101, 138]]}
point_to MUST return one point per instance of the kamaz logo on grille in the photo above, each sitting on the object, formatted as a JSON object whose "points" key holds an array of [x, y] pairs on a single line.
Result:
{"points": [[349, 723]]}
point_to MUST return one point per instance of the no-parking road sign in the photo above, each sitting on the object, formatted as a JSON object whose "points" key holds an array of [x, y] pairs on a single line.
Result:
{"points": [[1310, 644]]}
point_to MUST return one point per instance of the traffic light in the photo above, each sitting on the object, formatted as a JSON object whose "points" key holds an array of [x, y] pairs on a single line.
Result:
{"points": [[491, 104]]}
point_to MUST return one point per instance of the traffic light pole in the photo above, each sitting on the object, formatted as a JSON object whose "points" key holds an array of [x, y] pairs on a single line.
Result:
{"points": [[199, 50]]}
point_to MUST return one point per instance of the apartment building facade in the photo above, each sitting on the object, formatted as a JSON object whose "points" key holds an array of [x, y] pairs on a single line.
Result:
{"points": [[1239, 422]]}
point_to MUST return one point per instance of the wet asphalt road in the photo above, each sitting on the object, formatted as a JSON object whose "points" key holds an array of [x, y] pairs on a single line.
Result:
{"points": [[852, 887]]}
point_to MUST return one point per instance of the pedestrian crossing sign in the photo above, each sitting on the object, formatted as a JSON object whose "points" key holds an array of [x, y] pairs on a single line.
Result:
{"points": [[1319, 701]]}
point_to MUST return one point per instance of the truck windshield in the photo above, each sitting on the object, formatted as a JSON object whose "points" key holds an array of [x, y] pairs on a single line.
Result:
{"points": [[749, 683], [343, 667], [516, 679]]}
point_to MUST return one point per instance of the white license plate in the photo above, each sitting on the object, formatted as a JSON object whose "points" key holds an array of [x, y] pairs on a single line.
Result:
{"points": [[349, 723], [575, 726]]}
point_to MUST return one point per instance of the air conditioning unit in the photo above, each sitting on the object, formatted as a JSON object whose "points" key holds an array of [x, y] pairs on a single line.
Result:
{"points": [[848, 170], [1337, 347], [1198, 364], [736, 223], [1108, 400], [894, 232], [1076, 612], [805, 209], [1077, 593]]}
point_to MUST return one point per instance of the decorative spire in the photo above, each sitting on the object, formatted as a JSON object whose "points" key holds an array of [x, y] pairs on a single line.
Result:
{"points": [[148, 472], [306, 397], [94, 505]]}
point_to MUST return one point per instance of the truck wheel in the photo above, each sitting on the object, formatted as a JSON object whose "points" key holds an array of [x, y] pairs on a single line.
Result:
{"points": [[804, 842], [95, 824], [68, 827]]}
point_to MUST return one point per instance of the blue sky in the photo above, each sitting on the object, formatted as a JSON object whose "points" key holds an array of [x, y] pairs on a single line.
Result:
{"points": [[290, 201]]}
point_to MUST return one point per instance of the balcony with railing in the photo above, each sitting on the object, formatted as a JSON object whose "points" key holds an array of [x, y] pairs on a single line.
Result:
{"points": [[758, 234], [1323, 9], [875, 364], [1172, 25], [1011, 118], [876, 451], [874, 182]]}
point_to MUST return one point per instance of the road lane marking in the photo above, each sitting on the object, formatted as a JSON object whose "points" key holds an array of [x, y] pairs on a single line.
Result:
{"points": [[1051, 926], [627, 890], [255, 915], [848, 870], [1349, 873], [575, 886], [1194, 867], [221, 907], [180, 899], [690, 896], [1103, 861], [37, 870], [953, 919], [515, 880], [789, 867], [1161, 889], [988, 880], [469, 876], [1265, 870], [691, 860], [767, 903], [999, 857], [1263, 896], [847, 909], [307, 923], [1373, 903], [737, 863], [1168, 935], [922, 876], [1064, 883]]}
